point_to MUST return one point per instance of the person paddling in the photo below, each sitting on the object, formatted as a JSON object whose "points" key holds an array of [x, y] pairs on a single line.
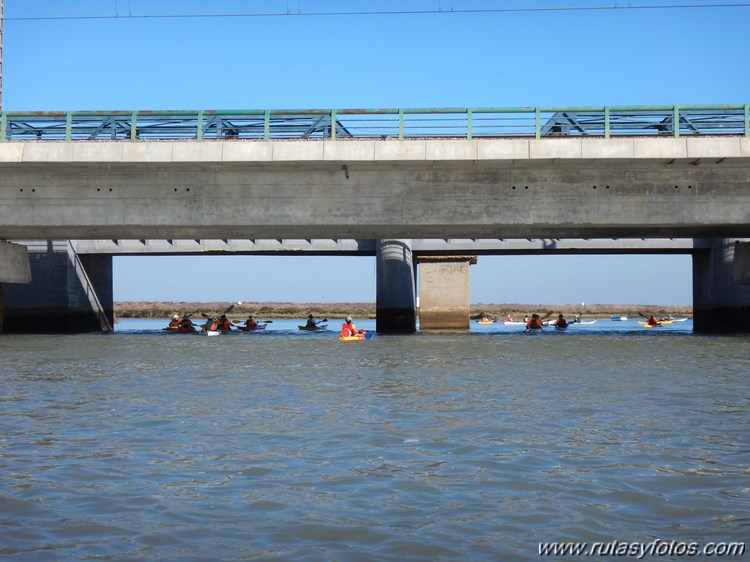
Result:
{"points": [[561, 322], [652, 321], [535, 323], [211, 325], [224, 324], [251, 323], [349, 329], [174, 323], [186, 325], [311, 322]]}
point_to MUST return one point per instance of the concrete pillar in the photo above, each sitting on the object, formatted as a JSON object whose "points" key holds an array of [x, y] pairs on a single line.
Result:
{"points": [[395, 308], [66, 294], [444, 292], [721, 286]]}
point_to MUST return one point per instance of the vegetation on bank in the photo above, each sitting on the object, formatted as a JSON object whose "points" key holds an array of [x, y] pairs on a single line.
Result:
{"points": [[367, 309]]}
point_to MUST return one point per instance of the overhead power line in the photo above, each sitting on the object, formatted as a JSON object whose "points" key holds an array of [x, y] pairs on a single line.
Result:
{"points": [[452, 10]]}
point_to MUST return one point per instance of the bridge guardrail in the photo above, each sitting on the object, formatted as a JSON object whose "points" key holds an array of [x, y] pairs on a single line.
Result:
{"points": [[462, 123]]}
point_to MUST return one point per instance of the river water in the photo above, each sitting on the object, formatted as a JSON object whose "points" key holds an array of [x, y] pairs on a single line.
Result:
{"points": [[288, 445]]}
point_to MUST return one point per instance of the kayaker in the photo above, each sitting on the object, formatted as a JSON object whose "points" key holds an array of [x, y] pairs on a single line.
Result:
{"points": [[224, 324], [251, 323], [186, 323], [535, 323], [349, 329], [211, 325], [652, 321], [509, 318], [311, 322], [174, 323], [561, 322], [485, 318]]}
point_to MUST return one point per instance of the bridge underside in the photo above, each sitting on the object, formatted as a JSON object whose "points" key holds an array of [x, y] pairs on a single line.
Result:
{"points": [[72, 292]]}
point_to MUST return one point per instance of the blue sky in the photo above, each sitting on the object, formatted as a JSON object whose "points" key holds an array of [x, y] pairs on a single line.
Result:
{"points": [[443, 57]]}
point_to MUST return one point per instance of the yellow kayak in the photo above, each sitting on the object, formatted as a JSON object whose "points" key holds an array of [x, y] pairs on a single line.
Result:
{"points": [[358, 337]]}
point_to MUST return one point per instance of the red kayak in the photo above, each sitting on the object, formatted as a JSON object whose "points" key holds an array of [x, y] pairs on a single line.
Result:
{"points": [[182, 330], [253, 329]]}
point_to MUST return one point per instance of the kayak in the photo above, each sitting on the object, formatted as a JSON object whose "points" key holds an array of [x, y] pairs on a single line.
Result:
{"points": [[661, 322], [314, 328], [181, 330], [358, 337], [617, 317], [514, 323], [485, 321], [212, 332], [253, 329]]}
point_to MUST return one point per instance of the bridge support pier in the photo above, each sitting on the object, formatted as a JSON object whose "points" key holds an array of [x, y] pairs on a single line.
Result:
{"points": [[444, 292], [721, 287], [67, 293], [395, 308]]}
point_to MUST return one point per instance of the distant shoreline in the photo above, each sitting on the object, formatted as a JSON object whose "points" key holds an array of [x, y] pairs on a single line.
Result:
{"points": [[161, 309]]}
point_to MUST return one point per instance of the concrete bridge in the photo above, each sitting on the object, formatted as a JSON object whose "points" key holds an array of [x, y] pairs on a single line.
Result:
{"points": [[574, 176]]}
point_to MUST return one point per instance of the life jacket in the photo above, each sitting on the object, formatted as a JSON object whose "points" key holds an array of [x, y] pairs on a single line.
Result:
{"points": [[348, 329], [652, 321], [250, 323], [211, 325], [174, 323], [535, 323], [561, 323], [224, 325]]}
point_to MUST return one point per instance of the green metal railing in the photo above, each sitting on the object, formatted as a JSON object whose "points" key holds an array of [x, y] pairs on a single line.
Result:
{"points": [[340, 124]]}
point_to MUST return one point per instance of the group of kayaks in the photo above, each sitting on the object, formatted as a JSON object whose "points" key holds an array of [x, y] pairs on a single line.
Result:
{"points": [[561, 324], [536, 323], [184, 325]]}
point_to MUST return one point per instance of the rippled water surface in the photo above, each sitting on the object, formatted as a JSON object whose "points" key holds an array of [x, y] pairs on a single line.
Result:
{"points": [[285, 445]]}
